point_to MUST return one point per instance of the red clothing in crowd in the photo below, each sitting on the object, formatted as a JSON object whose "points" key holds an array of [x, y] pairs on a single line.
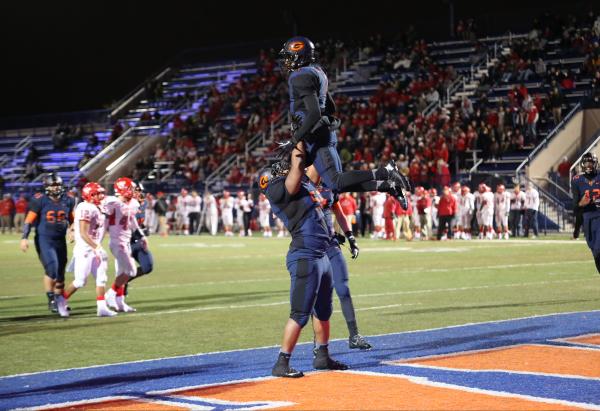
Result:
{"points": [[447, 206], [389, 210], [6, 207], [402, 212], [348, 204], [423, 203], [21, 206]]}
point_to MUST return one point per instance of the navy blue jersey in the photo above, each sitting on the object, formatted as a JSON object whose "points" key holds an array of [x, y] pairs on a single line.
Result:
{"points": [[52, 218], [328, 199], [301, 214], [582, 185], [309, 80]]}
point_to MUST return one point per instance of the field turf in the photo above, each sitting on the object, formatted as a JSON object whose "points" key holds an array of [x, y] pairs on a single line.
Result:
{"points": [[213, 294]]}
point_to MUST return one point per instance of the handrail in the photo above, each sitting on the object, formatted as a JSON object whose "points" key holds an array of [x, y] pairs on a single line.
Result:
{"points": [[578, 161], [550, 135], [475, 166], [431, 108], [565, 192], [127, 100]]}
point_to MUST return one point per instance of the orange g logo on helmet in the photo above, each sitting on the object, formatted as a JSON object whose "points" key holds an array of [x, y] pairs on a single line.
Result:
{"points": [[264, 180], [296, 46]]}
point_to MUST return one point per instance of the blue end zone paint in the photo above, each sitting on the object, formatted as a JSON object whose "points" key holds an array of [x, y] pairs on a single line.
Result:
{"points": [[157, 375]]}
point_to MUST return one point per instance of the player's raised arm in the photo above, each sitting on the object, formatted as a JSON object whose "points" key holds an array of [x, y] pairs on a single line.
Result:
{"points": [[294, 177]]}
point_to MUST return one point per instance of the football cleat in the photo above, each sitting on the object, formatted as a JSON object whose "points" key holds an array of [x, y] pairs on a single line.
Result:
{"points": [[358, 341], [105, 312], [284, 370], [52, 306], [397, 176], [398, 193], [123, 307], [323, 361], [61, 305], [111, 299]]}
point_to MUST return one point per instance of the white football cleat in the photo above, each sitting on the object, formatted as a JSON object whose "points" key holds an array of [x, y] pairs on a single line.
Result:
{"points": [[61, 305], [123, 307], [104, 311], [111, 299]]}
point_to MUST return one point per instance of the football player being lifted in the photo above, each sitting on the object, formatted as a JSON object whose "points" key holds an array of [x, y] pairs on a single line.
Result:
{"points": [[313, 122], [586, 195]]}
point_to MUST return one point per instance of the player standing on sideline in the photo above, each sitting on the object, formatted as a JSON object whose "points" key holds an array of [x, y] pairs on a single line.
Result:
{"points": [[377, 205], [586, 195], [139, 245], [51, 214], [88, 254], [517, 207], [264, 211], [298, 203], [194, 206], [121, 212], [312, 109], [455, 224], [331, 206], [182, 212], [467, 208], [501, 210], [211, 213], [487, 212], [239, 213], [226, 204], [422, 219]]}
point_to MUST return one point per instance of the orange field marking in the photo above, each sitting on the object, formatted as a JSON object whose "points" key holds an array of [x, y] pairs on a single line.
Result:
{"points": [[350, 391], [525, 358], [593, 339]]}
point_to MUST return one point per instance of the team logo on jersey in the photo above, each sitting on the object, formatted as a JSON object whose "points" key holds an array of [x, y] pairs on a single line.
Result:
{"points": [[296, 46], [264, 181]]}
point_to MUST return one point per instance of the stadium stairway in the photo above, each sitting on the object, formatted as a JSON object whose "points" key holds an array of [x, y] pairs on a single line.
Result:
{"points": [[183, 95]]}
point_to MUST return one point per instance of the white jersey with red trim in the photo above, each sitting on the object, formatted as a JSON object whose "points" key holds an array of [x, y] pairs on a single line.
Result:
{"points": [[121, 219], [502, 202], [97, 224], [487, 202]]}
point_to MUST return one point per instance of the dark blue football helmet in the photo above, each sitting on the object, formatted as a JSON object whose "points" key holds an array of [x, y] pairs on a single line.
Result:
{"points": [[53, 185], [589, 163], [297, 52]]}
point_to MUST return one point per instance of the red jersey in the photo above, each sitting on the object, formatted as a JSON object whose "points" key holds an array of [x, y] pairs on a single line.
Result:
{"points": [[21, 206], [447, 206], [348, 204], [389, 208], [6, 207]]}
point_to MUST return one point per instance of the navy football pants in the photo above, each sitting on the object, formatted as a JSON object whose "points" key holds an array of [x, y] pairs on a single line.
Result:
{"points": [[53, 255]]}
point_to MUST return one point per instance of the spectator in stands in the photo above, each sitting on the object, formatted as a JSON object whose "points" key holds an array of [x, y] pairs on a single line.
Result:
{"points": [[21, 207], [564, 171], [556, 100]]}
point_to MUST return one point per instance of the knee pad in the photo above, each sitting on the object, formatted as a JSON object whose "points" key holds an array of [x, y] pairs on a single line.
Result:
{"points": [[323, 311], [300, 317], [78, 283]]}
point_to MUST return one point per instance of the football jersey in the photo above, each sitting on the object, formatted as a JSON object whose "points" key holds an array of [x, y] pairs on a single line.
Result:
{"points": [[487, 201], [211, 205], [121, 219], [502, 201], [264, 207], [306, 81], [52, 217], [301, 214], [227, 205], [97, 224], [467, 203], [378, 202], [457, 196], [581, 185]]}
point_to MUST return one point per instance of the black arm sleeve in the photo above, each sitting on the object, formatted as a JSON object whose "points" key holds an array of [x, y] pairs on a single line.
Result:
{"points": [[26, 231], [329, 105], [313, 114], [576, 195]]}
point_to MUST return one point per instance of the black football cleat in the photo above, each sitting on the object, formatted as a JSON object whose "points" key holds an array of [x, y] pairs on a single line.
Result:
{"points": [[285, 371], [395, 175], [52, 306], [359, 342], [397, 192], [323, 361]]}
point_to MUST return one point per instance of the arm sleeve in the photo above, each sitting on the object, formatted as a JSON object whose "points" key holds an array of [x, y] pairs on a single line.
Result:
{"points": [[329, 105], [576, 195], [305, 87]]}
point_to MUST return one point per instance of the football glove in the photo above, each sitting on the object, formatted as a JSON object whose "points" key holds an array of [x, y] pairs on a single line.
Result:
{"points": [[284, 149], [354, 250], [340, 238]]}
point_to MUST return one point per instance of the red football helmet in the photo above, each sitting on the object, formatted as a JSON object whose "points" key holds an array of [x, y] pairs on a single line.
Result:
{"points": [[93, 193], [124, 187]]}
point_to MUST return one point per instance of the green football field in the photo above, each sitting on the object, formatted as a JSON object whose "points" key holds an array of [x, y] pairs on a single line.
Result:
{"points": [[213, 294]]}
